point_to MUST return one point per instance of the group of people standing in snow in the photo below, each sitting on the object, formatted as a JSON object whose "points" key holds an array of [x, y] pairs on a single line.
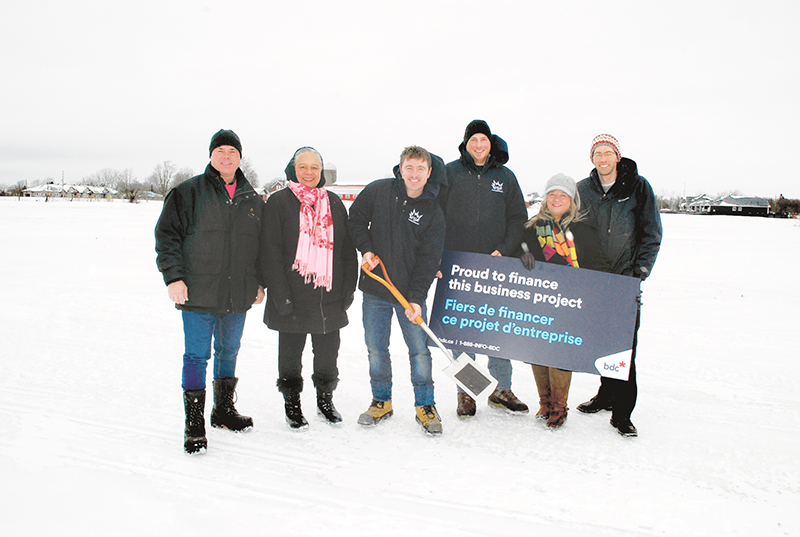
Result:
{"points": [[221, 250]]}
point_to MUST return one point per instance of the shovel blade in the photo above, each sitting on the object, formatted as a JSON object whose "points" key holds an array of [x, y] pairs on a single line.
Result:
{"points": [[473, 378]]}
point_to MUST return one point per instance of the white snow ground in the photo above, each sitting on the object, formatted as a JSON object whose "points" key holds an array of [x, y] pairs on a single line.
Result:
{"points": [[91, 411]]}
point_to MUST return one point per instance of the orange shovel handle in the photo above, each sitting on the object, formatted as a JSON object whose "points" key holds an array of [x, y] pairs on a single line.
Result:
{"points": [[390, 286]]}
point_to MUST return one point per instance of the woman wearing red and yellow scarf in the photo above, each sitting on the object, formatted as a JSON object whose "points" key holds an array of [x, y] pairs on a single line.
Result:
{"points": [[557, 235]]}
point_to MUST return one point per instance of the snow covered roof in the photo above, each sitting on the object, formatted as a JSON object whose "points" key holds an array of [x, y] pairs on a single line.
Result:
{"points": [[743, 201], [72, 189]]}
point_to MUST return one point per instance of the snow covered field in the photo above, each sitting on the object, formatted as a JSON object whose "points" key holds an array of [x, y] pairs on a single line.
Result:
{"points": [[91, 414]]}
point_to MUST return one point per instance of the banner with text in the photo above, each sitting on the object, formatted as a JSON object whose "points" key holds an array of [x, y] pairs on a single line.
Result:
{"points": [[574, 319]]}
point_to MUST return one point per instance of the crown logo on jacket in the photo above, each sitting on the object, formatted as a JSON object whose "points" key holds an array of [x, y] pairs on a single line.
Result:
{"points": [[414, 217], [497, 186]]}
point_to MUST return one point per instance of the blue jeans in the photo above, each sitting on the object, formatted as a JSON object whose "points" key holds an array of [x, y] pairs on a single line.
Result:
{"points": [[198, 329], [377, 315], [500, 368]]}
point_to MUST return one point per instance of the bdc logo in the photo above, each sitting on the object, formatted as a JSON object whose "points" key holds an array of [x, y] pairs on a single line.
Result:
{"points": [[613, 367]]}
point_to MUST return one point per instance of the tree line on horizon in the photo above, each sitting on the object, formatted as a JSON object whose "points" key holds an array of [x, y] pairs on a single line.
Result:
{"points": [[164, 177]]}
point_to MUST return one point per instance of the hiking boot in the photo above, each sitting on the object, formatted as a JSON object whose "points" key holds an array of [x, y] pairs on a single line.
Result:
{"points": [[507, 400], [326, 409], [377, 411], [624, 427], [429, 419], [466, 405], [595, 404], [223, 413]]}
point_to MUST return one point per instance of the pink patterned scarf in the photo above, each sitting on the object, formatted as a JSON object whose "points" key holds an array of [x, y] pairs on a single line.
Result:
{"points": [[314, 257]]}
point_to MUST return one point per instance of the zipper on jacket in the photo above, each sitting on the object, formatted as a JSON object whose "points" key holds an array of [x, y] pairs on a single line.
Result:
{"points": [[322, 309]]}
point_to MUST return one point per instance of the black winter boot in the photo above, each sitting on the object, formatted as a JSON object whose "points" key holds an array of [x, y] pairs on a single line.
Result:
{"points": [[595, 404], [326, 409], [224, 414], [294, 411], [291, 388], [194, 433]]}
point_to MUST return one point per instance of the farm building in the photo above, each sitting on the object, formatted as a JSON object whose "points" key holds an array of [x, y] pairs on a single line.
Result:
{"points": [[732, 205]]}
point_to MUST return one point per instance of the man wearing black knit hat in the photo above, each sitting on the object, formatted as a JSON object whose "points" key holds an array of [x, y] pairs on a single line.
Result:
{"points": [[621, 204], [484, 213], [207, 242]]}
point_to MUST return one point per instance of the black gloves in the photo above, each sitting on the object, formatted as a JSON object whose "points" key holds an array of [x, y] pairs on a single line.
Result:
{"points": [[287, 308]]}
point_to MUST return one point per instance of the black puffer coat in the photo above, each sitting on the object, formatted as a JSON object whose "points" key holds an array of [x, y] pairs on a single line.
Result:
{"points": [[587, 248], [210, 241], [627, 219], [406, 233], [293, 305], [484, 210]]}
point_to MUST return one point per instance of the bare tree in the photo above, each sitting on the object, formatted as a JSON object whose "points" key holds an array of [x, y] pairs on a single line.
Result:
{"points": [[104, 177], [162, 177], [182, 175], [127, 185], [249, 172]]}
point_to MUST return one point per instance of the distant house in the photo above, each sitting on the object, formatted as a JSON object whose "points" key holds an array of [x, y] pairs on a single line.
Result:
{"points": [[53, 190], [731, 205], [49, 190], [742, 206], [697, 204]]}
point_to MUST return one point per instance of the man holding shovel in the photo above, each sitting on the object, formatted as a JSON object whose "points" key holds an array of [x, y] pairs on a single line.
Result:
{"points": [[399, 221]]}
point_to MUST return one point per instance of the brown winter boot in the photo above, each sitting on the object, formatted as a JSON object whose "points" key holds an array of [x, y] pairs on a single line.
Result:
{"points": [[466, 405], [559, 391], [541, 375]]}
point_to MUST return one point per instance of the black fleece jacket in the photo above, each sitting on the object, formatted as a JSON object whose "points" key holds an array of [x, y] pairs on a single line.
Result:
{"points": [[292, 304], [484, 208], [406, 233]]}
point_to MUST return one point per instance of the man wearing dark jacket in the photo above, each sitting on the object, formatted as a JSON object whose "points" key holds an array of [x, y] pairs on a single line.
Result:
{"points": [[623, 208], [485, 214], [399, 221], [207, 243]]}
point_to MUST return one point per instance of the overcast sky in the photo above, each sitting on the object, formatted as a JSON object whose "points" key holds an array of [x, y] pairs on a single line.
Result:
{"points": [[702, 95]]}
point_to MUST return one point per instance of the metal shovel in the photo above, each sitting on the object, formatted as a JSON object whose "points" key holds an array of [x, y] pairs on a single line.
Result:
{"points": [[473, 377]]}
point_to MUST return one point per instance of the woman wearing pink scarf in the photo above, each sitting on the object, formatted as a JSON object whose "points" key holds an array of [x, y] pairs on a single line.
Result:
{"points": [[311, 270]]}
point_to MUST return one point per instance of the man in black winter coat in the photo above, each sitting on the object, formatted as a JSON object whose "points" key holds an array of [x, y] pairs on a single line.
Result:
{"points": [[207, 242], [623, 208], [485, 214], [399, 221]]}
